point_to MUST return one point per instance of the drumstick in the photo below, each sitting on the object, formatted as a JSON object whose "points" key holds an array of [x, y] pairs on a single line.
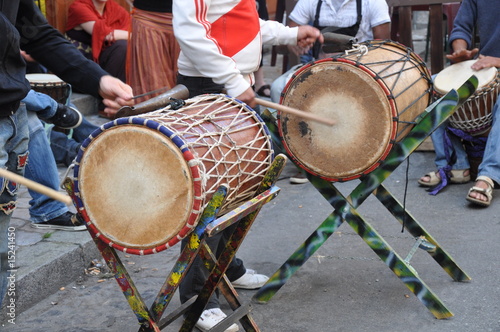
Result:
{"points": [[294, 111], [36, 186]]}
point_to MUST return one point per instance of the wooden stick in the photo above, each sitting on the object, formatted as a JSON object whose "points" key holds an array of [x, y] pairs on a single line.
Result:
{"points": [[294, 111], [36, 186]]}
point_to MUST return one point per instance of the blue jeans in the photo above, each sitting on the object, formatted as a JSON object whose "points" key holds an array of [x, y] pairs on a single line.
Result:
{"points": [[279, 84], [65, 149], [490, 166], [42, 168], [13, 153], [42, 104]]}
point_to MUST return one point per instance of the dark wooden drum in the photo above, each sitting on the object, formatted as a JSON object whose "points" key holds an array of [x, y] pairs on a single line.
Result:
{"points": [[50, 85]]}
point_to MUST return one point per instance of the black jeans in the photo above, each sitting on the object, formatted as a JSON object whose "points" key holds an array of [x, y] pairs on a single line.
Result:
{"points": [[199, 85]]}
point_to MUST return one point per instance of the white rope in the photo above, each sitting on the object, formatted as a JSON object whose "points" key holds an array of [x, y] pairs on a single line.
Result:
{"points": [[228, 141]]}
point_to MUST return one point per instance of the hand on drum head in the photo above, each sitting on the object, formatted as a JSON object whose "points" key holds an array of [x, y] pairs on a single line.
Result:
{"points": [[462, 55], [115, 94], [486, 62]]}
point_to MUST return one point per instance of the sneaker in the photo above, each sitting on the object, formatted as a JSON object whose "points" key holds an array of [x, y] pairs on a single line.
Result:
{"points": [[66, 222], [250, 280], [299, 178], [66, 117], [211, 317]]}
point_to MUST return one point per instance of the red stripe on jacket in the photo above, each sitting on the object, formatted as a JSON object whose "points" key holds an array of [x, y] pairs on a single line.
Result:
{"points": [[243, 23]]}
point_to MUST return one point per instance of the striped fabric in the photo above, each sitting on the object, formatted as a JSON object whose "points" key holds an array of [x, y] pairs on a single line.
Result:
{"points": [[153, 52]]}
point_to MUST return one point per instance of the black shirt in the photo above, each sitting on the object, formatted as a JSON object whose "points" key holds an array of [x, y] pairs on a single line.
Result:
{"points": [[160, 6], [33, 34]]}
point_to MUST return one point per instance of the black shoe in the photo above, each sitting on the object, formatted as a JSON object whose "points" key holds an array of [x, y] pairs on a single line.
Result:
{"points": [[66, 117], [65, 222]]}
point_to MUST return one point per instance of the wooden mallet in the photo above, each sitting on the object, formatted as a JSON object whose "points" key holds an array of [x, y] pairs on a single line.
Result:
{"points": [[36, 186], [294, 111]]}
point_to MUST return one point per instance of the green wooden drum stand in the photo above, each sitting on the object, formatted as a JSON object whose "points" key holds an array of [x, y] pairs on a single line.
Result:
{"points": [[150, 319], [345, 210]]}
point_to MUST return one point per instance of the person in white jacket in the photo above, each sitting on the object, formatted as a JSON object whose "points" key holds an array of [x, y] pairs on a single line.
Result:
{"points": [[221, 43]]}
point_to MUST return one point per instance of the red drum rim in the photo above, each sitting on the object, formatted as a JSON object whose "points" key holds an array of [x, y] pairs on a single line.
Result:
{"points": [[191, 168], [385, 91]]}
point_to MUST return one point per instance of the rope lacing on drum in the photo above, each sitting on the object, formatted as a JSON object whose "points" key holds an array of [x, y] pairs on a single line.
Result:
{"points": [[212, 123], [358, 48]]}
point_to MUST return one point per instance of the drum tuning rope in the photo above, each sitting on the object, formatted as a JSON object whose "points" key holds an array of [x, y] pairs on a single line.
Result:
{"points": [[358, 48]]}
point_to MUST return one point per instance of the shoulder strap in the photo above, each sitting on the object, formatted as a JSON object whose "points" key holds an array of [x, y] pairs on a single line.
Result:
{"points": [[358, 7], [316, 17]]}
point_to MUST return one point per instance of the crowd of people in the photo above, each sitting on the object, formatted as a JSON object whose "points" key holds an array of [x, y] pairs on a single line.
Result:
{"points": [[108, 51]]}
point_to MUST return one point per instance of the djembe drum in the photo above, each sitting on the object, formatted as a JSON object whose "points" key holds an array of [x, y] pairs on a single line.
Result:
{"points": [[50, 85], [474, 116], [143, 181], [374, 93]]}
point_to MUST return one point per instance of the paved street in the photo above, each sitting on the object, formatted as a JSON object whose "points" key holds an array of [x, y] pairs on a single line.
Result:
{"points": [[344, 286]]}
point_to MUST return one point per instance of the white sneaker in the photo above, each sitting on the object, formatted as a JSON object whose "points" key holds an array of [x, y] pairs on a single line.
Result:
{"points": [[250, 280], [211, 317]]}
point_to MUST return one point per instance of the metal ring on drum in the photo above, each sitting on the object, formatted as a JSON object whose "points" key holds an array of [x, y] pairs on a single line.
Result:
{"points": [[373, 96], [143, 181]]}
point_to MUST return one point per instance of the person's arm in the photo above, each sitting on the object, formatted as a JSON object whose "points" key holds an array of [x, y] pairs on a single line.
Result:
{"points": [[382, 31], [460, 52], [379, 19], [51, 49], [462, 33], [115, 34]]}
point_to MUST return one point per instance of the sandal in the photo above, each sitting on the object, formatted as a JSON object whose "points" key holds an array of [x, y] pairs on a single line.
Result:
{"points": [[262, 91], [456, 176], [488, 192]]}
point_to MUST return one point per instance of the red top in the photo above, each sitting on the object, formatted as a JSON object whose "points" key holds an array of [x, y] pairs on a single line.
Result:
{"points": [[114, 17]]}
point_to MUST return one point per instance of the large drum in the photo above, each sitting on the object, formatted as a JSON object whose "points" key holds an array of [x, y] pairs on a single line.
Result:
{"points": [[51, 85], [144, 181], [372, 93], [474, 116]]}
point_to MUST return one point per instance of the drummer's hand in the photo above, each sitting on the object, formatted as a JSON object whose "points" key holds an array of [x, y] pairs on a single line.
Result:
{"points": [[27, 57], [486, 62], [462, 55], [248, 97], [307, 35], [115, 94]]}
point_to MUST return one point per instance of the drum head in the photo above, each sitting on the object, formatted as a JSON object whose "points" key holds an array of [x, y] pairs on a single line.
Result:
{"points": [[136, 186], [359, 107], [43, 78], [452, 77]]}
